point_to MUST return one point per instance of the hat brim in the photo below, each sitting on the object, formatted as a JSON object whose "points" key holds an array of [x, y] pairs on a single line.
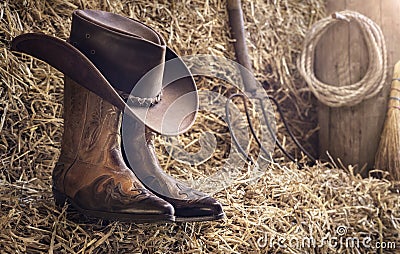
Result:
{"points": [[173, 115], [176, 112]]}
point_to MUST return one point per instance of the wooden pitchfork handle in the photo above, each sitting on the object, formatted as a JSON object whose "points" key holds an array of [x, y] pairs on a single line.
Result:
{"points": [[242, 56], [250, 83]]}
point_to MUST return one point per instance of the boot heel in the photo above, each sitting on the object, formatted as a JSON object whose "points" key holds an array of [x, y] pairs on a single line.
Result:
{"points": [[59, 198]]}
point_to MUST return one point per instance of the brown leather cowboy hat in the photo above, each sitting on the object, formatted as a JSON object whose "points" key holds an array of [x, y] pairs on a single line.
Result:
{"points": [[130, 66]]}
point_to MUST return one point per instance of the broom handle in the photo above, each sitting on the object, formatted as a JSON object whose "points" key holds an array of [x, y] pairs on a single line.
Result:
{"points": [[394, 99], [242, 56]]}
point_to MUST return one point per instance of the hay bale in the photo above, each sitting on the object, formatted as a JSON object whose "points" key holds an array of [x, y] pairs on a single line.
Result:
{"points": [[274, 213]]}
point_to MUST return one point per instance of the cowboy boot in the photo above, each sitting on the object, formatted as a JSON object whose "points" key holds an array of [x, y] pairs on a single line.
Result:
{"points": [[189, 204], [111, 55], [91, 172]]}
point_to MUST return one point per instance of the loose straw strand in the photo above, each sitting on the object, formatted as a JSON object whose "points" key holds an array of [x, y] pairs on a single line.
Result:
{"points": [[374, 78]]}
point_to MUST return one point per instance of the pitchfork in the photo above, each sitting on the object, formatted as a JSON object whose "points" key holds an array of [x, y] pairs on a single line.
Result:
{"points": [[250, 87]]}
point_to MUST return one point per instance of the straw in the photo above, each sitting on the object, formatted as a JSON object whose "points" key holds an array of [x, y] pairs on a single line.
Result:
{"points": [[285, 202]]}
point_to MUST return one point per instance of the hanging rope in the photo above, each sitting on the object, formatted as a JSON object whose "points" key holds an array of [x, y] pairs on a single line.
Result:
{"points": [[374, 78]]}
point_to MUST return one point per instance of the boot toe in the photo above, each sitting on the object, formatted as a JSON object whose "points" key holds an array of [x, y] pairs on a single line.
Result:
{"points": [[203, 209], [137, 205], [151, 205]]}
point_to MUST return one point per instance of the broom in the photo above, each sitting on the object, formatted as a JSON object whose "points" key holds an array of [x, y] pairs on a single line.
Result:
{"points": [[388, 154]]}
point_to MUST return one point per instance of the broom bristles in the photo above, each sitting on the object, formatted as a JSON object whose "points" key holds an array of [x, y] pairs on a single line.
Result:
{"points": [[388, 153]]}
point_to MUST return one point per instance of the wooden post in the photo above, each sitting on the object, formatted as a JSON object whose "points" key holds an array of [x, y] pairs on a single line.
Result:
{"points": [[352, 134]]}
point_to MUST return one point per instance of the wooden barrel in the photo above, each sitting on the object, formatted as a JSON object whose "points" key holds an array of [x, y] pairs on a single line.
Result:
{"points": [[352, 134]]}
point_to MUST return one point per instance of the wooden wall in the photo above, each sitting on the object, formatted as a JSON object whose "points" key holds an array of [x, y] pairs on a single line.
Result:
{"points": [[352, 133]]}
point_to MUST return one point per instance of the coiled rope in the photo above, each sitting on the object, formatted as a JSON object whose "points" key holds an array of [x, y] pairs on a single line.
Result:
{"points": [[374, 78]]}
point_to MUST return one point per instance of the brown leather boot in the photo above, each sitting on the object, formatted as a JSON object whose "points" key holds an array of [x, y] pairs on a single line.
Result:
{"points": [[189, 204], [91, 172], [128, 64]]}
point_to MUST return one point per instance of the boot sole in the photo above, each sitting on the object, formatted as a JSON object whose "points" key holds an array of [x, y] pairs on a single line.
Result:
{"points": [[60, 199], [200, 218]]}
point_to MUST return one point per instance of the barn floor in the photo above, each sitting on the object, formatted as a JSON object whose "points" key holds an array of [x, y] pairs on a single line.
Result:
{"points": [[324, 208]]}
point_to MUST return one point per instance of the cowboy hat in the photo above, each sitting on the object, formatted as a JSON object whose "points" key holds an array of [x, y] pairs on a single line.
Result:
{"points": [[125, 62]]}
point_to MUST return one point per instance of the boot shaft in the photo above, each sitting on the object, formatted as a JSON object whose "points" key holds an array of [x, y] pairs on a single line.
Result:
{"points": [[91, 126]]}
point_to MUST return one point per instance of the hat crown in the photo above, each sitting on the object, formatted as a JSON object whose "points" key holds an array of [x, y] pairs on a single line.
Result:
{"points": [[122, 49]]}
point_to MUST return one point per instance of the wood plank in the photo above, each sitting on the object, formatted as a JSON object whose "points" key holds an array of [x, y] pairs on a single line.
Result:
{"points": [[325, 55], [352, 133]]}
